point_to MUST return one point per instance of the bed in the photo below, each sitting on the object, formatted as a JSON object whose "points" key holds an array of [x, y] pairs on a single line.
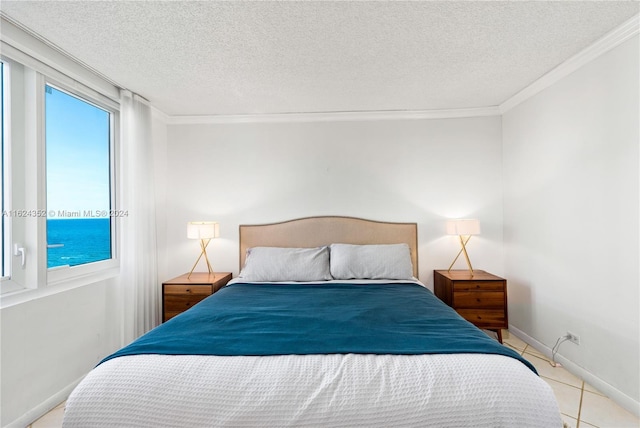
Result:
{"points": [[325, 326]]}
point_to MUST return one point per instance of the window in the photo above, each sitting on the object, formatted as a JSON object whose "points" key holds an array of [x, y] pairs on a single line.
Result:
{"points": [[59, 138], [4, 226], [78, 175]]}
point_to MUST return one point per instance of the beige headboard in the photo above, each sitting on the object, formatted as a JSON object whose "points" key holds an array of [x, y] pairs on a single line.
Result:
{"points": [[325, 230]]}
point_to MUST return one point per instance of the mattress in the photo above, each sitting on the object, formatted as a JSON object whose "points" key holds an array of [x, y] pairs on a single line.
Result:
{"points": [[296, 389]]}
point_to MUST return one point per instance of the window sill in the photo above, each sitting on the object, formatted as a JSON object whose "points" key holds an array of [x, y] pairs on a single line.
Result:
{"points": [[7, 287], [18, 296]]}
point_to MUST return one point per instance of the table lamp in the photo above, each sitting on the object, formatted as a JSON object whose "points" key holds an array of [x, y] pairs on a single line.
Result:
{"points": [[465, 229], [204, 231]]}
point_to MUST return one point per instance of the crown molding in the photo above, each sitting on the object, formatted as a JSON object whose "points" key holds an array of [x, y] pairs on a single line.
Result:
{"points": [[609, 41], [159, 114], [335, 116]]}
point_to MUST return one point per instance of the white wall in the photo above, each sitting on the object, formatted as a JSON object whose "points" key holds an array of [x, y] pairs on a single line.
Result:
{"points": [[398, 170], [571, 180], [49, 343]]}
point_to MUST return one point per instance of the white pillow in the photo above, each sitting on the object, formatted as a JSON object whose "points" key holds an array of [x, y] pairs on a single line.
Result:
{"points": [[390, 261], [286, 264]]}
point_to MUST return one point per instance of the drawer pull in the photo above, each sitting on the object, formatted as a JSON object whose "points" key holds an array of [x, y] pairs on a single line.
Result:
{"points": [[188, 290], [478, 300]]}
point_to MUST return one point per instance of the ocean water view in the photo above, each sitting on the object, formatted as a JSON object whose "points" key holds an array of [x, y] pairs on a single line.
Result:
{"points": [[78, 241]]}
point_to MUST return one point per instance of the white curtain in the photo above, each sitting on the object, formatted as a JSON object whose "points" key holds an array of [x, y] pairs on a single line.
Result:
{"points": [[138, 285]]}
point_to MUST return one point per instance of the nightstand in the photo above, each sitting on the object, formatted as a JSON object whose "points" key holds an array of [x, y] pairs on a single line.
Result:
{"points": [[181, 293], [480, 299]]}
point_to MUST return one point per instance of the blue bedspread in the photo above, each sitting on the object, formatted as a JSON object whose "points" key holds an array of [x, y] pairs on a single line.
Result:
{"points": [[276, 319]]}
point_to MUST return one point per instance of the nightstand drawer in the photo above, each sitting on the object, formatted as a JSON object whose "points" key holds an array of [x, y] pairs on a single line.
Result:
{"points": [[182, 302], [478, 299], [484, 318], [187, 289], [478, 286]]}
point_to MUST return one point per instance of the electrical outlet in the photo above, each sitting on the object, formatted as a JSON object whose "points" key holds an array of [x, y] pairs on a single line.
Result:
{"points": [[573, 338]]}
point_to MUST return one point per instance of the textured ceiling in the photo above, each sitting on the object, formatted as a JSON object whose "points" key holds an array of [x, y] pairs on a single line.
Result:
{"points": [[209, 58]]}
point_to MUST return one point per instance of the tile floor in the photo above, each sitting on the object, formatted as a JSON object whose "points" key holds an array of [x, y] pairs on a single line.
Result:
{"points": [[581, 405]]}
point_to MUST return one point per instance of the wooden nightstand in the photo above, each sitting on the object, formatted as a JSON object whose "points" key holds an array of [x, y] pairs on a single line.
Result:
{"points": [[179, 294], [480, 299]]}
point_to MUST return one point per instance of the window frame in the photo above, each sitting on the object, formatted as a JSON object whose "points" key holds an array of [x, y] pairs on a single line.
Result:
{"points": [[13, 114], [6, 170], [62, 273], [25, 177]]}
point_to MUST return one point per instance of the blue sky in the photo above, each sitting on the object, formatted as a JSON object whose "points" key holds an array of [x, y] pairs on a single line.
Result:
{"points": [[77, 141]]}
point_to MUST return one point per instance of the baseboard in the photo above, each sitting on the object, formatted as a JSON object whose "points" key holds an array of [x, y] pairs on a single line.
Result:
{"points": [[616, 395], [43, 408]]}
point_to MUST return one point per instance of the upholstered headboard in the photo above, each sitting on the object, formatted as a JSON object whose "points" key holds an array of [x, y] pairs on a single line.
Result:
{"points": [[325, 230]]}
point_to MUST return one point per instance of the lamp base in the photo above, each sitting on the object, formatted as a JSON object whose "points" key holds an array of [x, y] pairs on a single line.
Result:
{"points": [[463, 244], [203, 252]]}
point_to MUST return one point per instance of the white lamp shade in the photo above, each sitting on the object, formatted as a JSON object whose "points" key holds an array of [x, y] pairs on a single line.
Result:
{"points": [[203, 230], [463, 227]]}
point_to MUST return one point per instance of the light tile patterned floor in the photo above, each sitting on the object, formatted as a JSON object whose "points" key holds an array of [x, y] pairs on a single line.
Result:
{"points": [[581, 405], [53, 419]]}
